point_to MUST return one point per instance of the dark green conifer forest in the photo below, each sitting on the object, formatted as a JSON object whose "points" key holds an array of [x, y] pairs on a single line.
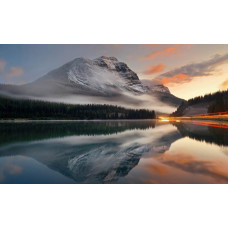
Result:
{"points": [[11, 108], [218, 102]]}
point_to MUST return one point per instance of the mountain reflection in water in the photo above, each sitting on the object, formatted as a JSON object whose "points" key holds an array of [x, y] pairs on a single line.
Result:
{"points": [[143, 151]]}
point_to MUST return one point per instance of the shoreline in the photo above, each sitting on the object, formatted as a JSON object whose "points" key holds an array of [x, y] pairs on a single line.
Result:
{"points": [[193, 119]]}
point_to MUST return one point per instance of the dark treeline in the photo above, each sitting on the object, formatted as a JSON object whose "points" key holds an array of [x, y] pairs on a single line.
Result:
{"points": [[32, 109], [218, 102]]}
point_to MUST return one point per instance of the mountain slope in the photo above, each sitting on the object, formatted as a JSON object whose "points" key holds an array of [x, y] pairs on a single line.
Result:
{"points": [[103, 80], [161, 93], [104, 76], [216, 102]]}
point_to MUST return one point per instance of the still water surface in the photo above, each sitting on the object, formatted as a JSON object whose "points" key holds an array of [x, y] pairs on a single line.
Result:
{"points": [[113, 152]]}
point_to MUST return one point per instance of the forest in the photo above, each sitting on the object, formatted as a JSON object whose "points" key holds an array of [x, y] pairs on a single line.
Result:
{"points": [[218, 102], [12, 108]]}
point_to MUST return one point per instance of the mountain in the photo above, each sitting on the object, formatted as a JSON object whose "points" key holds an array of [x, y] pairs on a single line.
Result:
{"points": [[102, 80], [154, 86], [210, 103], [161, 93]]}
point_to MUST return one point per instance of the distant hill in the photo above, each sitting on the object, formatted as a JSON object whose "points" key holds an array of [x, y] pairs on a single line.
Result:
{"points": [[210, 103]]}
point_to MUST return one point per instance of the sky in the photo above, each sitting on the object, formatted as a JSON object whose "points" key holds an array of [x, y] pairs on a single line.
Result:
{"points": [[188, 70]]}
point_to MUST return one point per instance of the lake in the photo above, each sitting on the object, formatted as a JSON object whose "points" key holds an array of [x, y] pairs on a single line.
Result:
{"points": [[140, 151]]}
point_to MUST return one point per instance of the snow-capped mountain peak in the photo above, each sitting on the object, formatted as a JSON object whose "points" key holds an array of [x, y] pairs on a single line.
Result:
{"points": [[109, 62], [104, 80], [104, 74]]}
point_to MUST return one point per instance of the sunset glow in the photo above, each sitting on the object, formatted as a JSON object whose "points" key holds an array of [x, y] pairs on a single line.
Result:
{"points": [[187, 70]]}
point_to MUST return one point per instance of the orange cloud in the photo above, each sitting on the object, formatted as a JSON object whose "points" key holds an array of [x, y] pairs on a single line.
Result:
{"points": [[176, 79], [156, 168], [224, 85], [188, 162], [2, 64], [178, 158], [154, 69], [14, 72], [167, 51], [173, 50]]}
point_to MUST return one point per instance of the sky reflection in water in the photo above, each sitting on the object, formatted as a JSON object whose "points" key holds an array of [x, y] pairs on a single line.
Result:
{"points": [[113, 152]]}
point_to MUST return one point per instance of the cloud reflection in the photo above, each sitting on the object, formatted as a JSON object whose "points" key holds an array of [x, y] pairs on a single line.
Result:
{"points": [[9, 168]]}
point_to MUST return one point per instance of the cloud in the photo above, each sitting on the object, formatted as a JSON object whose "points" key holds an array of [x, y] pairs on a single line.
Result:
{"points": [[15, 72], [176, 79], [167, 51], [224, 85], [151, 69], [156, 168], [11, 74], [8, 168], [204, 68], [2, 64], [117, 45], [188, 163], [173, 50]]}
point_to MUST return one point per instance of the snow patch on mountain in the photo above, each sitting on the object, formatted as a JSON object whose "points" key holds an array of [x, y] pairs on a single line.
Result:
{"points": [[104, 74], [94, 77], [155, 86]]}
